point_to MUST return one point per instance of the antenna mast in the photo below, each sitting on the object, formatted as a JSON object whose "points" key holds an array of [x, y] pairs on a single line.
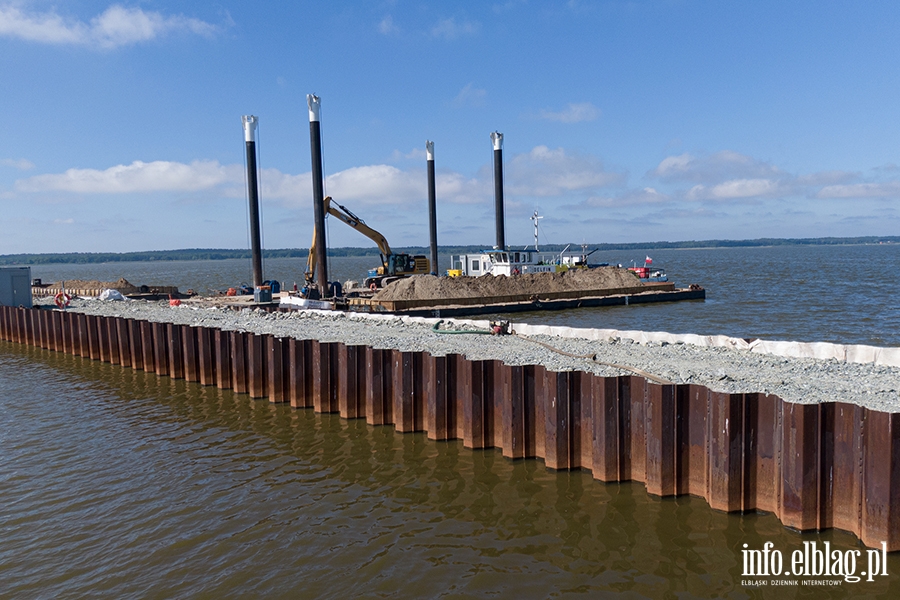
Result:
{"points": [[535, 218]]}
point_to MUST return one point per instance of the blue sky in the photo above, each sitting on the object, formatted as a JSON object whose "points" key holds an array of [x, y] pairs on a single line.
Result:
{"points": [[623, 121]]}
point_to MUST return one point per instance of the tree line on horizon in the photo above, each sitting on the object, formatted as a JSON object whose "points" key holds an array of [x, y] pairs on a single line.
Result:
{"points": [[225, 253]]}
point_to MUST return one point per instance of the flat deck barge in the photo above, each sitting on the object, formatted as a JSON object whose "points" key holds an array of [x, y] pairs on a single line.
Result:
{"points": [[462, 307]]}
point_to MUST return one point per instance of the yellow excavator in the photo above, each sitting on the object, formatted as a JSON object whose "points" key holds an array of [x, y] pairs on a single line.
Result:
{"points": [[393, 265]]}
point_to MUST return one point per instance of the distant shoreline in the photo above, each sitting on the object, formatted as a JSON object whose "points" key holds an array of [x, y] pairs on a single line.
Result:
{"points": [[224, 254]]}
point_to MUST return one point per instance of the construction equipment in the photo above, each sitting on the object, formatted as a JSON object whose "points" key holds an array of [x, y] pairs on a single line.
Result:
{"points": [[393, 265]]}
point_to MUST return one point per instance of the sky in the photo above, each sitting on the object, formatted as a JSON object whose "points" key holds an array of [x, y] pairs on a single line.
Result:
{"points": [[623, 121]]}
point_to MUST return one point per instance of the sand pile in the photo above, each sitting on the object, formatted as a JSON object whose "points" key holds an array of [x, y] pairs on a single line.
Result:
{"points": [[122, 285], [430, 287]]}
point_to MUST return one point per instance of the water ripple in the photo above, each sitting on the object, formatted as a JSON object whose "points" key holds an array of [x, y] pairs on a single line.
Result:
{"points": [[119, 484]]}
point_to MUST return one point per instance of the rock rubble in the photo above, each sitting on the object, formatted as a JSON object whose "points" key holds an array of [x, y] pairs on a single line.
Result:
{"points": [[799, 380]]}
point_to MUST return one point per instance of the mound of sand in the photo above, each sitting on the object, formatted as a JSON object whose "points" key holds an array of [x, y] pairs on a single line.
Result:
{"points": [[430, 287], [122, 285]]}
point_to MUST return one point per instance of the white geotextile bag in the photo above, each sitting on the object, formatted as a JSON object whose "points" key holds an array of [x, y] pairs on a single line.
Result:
{"points": [[111, 295]]}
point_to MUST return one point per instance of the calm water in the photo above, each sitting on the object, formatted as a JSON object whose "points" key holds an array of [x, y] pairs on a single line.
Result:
{"points": [[118, 484], [843, 294]]}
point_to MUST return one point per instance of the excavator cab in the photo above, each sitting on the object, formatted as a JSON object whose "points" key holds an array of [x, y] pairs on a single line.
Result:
{"points": [[397, 264], [406, 264]]}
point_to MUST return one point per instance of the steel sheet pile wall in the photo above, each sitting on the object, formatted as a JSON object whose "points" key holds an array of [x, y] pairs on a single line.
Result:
{"points": [[814, 466]]}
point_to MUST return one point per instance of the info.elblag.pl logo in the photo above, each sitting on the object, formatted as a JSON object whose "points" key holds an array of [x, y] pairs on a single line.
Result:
{"points": [[813, 561]]}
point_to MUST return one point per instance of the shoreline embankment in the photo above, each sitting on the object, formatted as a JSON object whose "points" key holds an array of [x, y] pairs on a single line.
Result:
{"points": [[709, 431]]}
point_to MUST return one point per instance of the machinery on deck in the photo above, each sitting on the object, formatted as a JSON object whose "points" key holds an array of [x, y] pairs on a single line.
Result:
{"points": [[393, 265]]}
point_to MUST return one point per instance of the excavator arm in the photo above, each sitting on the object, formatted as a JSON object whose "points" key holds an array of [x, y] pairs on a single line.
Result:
{"points": [[391, 264], [358, 224], [310, 273], [353, 221]]}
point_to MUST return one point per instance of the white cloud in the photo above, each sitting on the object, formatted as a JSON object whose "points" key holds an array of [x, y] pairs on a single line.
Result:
{"points": [[577, 190], [386, 26], [414, 154], [283, 186], [20, 164], [734, 189], [386, 186], [728, 175], [542, 172], [672, 166], [449, 29], [376, 184], [573, 113], [470, 96], [546, 172], [116, 26], [457, 189], [645, 196], [890, 189], [370, 184], [138, 177], [828, 178], [718, 167]]}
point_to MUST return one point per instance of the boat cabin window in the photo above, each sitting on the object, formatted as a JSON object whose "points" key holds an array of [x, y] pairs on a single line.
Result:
{"points": [[475, 266]]}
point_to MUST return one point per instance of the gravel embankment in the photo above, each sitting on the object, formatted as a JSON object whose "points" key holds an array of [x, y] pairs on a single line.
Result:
{"points": [[800, 380]]}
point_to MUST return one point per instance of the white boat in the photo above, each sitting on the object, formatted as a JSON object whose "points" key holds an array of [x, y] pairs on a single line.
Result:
{"points": [[500, 262], [510, 262]]}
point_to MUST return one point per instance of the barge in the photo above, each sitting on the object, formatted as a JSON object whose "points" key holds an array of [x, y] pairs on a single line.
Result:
{"points": [[460, 307]]}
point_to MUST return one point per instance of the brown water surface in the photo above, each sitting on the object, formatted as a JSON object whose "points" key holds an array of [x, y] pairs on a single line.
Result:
{"points": [[115, 483]]}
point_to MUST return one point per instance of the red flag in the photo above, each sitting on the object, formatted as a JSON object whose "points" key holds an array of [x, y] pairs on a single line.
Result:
{"points": [[648, 260]]}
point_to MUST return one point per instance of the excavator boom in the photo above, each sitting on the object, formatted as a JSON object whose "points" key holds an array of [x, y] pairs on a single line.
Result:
{"points": [[392, 265], [358, 224]]}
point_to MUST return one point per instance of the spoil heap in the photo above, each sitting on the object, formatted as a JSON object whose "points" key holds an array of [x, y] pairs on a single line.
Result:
{"points": [[93, 287], [122, 285], [430, 287]]}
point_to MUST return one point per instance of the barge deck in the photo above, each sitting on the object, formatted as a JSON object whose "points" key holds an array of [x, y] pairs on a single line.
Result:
{"points": [[464, 307]]}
